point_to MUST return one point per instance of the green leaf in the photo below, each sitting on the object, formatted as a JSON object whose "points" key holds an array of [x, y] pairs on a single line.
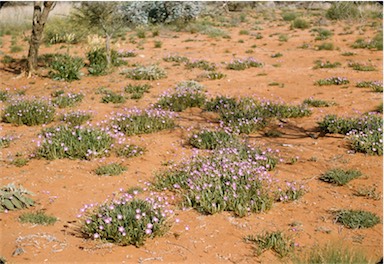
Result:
{"points": [[17, 203], [8, 205]]}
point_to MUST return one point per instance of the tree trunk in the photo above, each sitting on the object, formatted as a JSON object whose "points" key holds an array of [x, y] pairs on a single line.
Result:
{"points": [[108, 50], [40, 15]]}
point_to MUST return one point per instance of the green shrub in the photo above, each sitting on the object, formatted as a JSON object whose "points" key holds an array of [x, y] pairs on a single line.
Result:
{"points": [[206, 139], [291, 193], [73, 143], [228, 180], [289, 16], [300, 23], [326, 65], [66, 67], [28, 112], [129, 151], [137, 91], [125, 220], [4, 95], [325, 46], [98, 61], [376, 86], [348, 53], [214, 75], [187, 94], [152, 72], [68, 100], [375, 43], [112, 97], [356, 218], [364, 133], [242, 64], [277, 55], [15, 49], [275, 241], [332, 81], [63, 30], [19, 162], [243, 32], [283, 37], [342, 10], [175, 58], [201, 64], [112, 169], [37, 218], [340, 176], [76, 118], [5, 141], [136, 121], [361, 67], [14, 198], [333, 253], [322, 33], [318, 103]]}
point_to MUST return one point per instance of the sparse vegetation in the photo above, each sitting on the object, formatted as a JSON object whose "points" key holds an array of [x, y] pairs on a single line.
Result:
{"points": [[356, 218], [112, 169], [339, 176], [37, 218]]}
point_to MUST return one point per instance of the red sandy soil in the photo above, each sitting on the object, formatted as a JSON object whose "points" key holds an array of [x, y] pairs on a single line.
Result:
{"points": [[62, 187]]}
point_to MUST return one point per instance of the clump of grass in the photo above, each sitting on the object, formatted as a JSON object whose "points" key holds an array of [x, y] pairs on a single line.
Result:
{"points": [[112, 97], [289, 16], [137, 91], [325, 46], [356, 218], [187, 94], [342, 10], [19, 161], [201, 64], [334, 253], [214, 75], [242, 64], [376, 86], [361, 67], [292, 192], [300, 23], [14, 198], [277, 55], [28, 112], [326, 65], [322, 33], [243, 32], [67, 100], [98, 64], [176, 58], [339, 176], [368, 192], [129, 151], [283, 37], [112, 169], [231, 179], [318, 103], [37, 218], [73, 143], [151, 72], [4, 95], [206, 139], [376, 43], [348, 53], [364, 133], [65, 67], [332, 81], [273, 133], [276, 241], [136, 121], [76, 118], [126, 220], [5, 141], [158, 44], [248, 115]]}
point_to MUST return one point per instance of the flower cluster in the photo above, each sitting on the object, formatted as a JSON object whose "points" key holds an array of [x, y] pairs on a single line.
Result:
{"points": [[68, 100], [292, 192], [242, 64], [76, 118], [332, 81], [376, 86], [126, 219]]}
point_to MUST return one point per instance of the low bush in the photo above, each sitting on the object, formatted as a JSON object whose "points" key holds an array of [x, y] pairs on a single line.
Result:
{"points": [[242, 64], [14, 198], [67, 100], [332, 81], [137, 91], [125, 220], [326, 65], [339, 176], [73, 143], [112, 97], [152, 72], [361, 67], [136, 121], [206, 139], [325, 46], [300, 23], [342, 10], [76, 118], [28, 112], [375, 86], [292, 192], [37, 218], [318, 103], [112, 169], [356, 218], [129, 151], [65, 67], [98, 61], [201, 64]]}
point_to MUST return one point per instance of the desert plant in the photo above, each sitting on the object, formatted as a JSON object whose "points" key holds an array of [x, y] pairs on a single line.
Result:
{"points": [[276, 241], [201, 64], [129, 151], [273, 133], [213, 75], [348, 53], [14, 198], [332, 81], [342, 10], [333, 253], [289, 16], [292, 192], [98, 64], [66, 67], [136, 121], [76, 118], [19, 162], [67, 100], [277, 55], [242, 64], [112, 97], [151, 72], [368, 192], [73, 143], [326, 65], [206, 139], [175, 58], [125, 220], [322, 33], [283, 37], [318, 103], [28, 112], [187, 94], [37, 218], [356, 218], [361, 67], [5, 141], [374, 43], [137, 91], [376, 86], [325, 46], [4, 95], [339, 176], [112, 169], [300, 23]]}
